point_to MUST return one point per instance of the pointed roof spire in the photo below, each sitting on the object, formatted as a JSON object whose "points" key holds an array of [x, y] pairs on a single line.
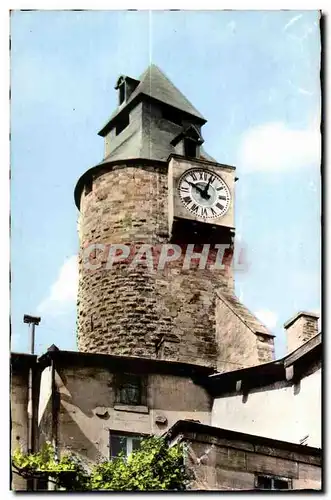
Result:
{"points": [[155, 84]]}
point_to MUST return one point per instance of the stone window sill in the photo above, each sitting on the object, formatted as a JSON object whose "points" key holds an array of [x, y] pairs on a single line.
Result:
{"points": [[132, 409]]}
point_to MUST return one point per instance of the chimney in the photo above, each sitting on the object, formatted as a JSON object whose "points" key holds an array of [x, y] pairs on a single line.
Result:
{"points": [[299, 329]]}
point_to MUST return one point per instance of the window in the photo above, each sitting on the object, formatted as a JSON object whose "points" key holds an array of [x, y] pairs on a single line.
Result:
{"points": [[123, 444], [172, 116], [272, 483], [129, 390], [121, 93], [190, 148], [122, 123]]}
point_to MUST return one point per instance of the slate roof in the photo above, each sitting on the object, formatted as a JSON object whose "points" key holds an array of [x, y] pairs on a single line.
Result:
{"points": [[139, 141], [136, 147], [155, 84]]}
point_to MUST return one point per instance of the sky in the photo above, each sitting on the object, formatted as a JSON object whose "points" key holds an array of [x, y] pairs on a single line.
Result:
{"points": [[254, 75]]}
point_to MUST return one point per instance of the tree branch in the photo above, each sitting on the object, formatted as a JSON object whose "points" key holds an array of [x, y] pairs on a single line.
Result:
{"points": [[21, 471]]}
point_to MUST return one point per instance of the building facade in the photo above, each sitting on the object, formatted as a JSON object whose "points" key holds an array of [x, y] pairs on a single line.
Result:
{"points": [[221, 459], [288, 393]]}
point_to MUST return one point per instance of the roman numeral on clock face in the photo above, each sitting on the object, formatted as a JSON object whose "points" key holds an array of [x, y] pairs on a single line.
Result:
{"points": [[218, 205], [184, 189], [194, 208], [203, 176], [204, 212], [187, 199]]}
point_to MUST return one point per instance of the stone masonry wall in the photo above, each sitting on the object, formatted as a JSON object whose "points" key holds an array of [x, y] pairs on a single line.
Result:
{"points": [[238, 346], [125, 311], [220, 464], [301, 330]]}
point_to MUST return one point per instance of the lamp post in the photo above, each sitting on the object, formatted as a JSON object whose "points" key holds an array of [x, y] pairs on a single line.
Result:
{"points": [[32, 321]]}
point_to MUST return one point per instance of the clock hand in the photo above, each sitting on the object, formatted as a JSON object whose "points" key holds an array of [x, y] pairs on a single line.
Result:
{"points": [[201, 191], [207, 186], [204, 192]]}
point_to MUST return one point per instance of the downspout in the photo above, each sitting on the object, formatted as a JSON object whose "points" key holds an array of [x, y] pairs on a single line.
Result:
{"points": [[30, 482], [54, 439], [30, 411]]}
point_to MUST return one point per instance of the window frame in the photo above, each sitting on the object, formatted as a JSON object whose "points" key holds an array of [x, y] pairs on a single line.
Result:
{"points": [[122, 380], [272, 478], [188, 144], [129, 436], [122, 92], [172, 115], [122, 123]]}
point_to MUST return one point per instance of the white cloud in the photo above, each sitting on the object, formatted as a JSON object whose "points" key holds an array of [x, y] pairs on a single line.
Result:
{"points": [[275, 147], [304, 91], [300, 90], [292, 21], [268, 318], [63, 292]]}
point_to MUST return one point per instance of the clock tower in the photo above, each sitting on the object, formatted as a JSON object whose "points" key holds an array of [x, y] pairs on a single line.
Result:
{"points": [[156, 234]]}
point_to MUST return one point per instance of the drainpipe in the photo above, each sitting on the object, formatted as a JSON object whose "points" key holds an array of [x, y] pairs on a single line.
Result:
{"points": [[55, 409]]}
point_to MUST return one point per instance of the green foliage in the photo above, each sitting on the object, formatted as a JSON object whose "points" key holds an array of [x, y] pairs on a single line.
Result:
{"points": [[67, 473], [153, 467]]}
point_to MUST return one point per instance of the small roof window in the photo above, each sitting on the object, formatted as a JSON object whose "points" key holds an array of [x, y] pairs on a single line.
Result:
{"points": [[191, 139], [125, 86]]}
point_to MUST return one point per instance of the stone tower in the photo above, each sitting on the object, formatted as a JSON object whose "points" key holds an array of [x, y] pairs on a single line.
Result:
{"points": [[157, 194]]}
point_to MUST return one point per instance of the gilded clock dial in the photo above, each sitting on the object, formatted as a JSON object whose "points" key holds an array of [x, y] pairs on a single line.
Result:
{"points": [[204, 193]]}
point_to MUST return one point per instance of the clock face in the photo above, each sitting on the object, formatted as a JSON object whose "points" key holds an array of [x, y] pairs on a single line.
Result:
{"points": [[204, 193]]}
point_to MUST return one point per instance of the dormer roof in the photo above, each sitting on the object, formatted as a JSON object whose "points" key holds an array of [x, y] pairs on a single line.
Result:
{"points": [[154, 84]]}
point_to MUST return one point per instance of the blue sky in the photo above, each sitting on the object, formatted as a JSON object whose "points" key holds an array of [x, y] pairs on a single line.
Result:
{"points": [[253, 75]]}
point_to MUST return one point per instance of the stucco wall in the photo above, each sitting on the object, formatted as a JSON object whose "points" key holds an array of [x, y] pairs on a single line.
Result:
{"points": [[86, 393], [45, 416], [288, 412], [19, 419]]}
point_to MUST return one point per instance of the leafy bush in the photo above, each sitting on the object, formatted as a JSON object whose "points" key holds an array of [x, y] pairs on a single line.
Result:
{"points": [[153, 467]]}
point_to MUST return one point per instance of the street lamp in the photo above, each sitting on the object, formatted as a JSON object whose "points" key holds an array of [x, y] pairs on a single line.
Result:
{"points": [[33, 321]]}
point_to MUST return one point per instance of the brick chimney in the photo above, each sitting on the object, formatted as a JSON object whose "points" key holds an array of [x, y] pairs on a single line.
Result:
{"points": [[301, 328]]}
